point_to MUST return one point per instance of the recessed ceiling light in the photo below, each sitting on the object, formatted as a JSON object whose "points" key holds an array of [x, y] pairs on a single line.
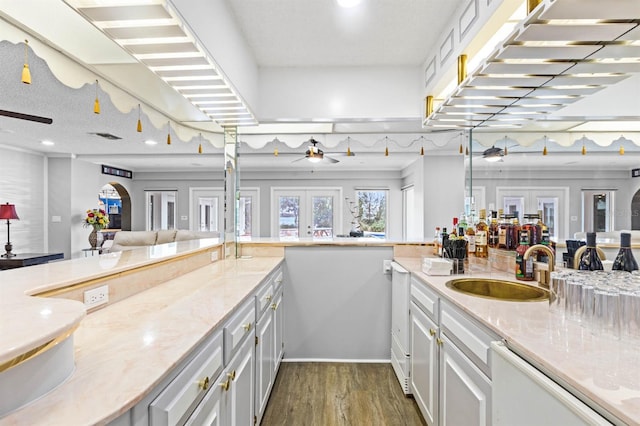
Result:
{"points": [[48, 143], [150, 142], [348, 3]]}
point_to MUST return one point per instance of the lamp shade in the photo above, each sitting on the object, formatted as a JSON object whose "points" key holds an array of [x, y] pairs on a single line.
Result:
{"points": [[8, 212]]}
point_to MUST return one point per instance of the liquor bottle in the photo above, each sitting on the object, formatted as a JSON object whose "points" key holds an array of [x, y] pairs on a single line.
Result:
{"points": [[493, 229], [625, 260], [531, 225], [524, 268], [482, 249], [436, 242], [444, 236], [470, 236], [590, 261], [503, 230], [513, 232], [454, 230]]}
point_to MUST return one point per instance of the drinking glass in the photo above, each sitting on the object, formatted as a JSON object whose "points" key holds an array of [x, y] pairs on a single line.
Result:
{"points": [[557, 292], [606, 310], [573, 288]]}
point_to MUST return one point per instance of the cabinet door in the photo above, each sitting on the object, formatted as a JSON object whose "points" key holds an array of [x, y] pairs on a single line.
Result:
{"points": [[209, 411], [278, 320], [239, 404], [264, 360], [424, 364], [465, 398]]}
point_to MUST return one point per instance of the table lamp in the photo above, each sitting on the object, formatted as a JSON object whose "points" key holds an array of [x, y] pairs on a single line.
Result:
{"points": [[8, 212]]}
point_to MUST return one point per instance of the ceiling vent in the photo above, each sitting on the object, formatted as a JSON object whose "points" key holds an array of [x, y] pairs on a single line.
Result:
{"points": [[106, 136]]}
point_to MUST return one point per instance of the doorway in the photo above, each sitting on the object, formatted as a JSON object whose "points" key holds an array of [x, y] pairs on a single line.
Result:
{"points": [[635, 211], [116, 201]]}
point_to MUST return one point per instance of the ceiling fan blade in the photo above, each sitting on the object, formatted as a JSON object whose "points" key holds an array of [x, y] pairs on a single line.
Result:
{"points": [[298, 159], [331, 160], [27, 117]]}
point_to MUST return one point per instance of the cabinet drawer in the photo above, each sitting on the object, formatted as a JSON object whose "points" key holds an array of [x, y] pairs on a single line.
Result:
{"points": [[425, 298], [264, 296], [473, 339], [238, 327], [189, 386]]}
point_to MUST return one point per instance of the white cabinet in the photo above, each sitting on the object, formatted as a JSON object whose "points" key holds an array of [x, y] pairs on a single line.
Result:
{"points": [[424, 364], [465, 391], [239, 399], [269, 339], [450, 361], [264, 360]]}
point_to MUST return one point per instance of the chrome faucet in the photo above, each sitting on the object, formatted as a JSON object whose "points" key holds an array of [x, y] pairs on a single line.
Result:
{"points": [[544, 275]]}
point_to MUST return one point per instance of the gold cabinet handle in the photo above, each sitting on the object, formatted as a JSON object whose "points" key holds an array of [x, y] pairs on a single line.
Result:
{"points": [[225, 385], [268, 298], [274, 306], [247, 326], [432, 332], [232, 375], [204, 383], [439, 341]]}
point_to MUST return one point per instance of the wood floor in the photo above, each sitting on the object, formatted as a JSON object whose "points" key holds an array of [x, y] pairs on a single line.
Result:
{"points": [[339, 394]]}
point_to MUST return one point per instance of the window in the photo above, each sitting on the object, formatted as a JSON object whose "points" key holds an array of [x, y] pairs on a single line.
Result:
{"points": [[372, 212], [305, 213]]}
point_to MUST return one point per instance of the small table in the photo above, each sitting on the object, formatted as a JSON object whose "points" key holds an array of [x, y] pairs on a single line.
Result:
{"points": [[28, 259]]}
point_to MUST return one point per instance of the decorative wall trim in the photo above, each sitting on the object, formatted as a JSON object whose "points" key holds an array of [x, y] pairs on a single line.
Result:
{"points": [[430, 72], [468, 17], [446, 48]]}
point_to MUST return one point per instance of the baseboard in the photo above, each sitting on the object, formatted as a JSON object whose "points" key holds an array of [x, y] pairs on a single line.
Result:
{"points": [[359, 361]]}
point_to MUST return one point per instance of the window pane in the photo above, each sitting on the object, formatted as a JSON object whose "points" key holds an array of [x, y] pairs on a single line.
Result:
{"points": [[245, 207], [323, 216], [549, 208], [289, 221], [372, 212]]}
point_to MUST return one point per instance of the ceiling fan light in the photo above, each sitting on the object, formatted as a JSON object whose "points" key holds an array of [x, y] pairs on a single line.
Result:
{"points": [[314, 159]]}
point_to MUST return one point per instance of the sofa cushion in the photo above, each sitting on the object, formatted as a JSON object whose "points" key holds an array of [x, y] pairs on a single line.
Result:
{"points": [[166, 236], [135, 238], [184, 235]]}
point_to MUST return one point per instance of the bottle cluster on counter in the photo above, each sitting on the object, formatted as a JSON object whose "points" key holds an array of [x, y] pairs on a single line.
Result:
{"points": [[503, 231]]}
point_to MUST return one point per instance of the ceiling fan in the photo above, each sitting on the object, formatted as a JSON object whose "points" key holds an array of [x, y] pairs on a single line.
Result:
{"points": [[493, 154], [315, 154]]}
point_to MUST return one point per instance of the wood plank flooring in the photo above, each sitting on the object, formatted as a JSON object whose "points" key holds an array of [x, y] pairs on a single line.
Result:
{"points": [[339, 394]]}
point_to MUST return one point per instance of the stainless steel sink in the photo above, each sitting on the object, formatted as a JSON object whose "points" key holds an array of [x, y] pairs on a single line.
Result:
{"points": [[498, 289]]}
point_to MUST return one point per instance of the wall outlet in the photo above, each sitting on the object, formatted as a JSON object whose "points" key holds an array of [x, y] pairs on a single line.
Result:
{"points": [[96, 296], [386, 266], [214, 256]]}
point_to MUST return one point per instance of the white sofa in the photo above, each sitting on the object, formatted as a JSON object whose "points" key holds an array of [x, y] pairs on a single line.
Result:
{"points": [[128, 240]]}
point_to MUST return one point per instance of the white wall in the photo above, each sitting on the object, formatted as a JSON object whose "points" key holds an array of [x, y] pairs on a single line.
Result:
{"points": [[444, 183], [22, 182]]}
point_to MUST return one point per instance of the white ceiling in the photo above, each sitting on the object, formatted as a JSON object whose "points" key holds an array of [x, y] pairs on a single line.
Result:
{"points": [[291, 34]]}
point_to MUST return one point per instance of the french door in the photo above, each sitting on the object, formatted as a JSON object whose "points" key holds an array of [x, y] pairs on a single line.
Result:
{"points": [[206, 209], [299, 213]]}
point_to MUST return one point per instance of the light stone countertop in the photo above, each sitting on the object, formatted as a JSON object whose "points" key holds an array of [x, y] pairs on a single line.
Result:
{"points": [[604, 370], [328, 241], [124, 350]]}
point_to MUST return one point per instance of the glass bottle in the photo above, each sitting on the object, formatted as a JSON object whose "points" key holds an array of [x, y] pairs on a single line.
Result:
{"points": [[524, 268], [444, 236], [513, 235], [590, 261], [503, 230], [493, 230], [482, 249], [470, 236], [436, 242], [624, 260]]}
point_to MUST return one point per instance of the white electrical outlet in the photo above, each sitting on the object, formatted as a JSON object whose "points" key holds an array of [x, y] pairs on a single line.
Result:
{"points": [[386, 266], [96, 296]]}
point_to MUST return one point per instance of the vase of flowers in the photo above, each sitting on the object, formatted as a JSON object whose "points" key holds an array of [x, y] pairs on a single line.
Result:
{"points": [[97, 219]]}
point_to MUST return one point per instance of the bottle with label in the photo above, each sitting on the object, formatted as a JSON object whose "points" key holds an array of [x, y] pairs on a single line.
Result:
{"points": [[532, 226], [493, 229], [444, 236], [503, 230], [624, 260], [513, 232], [524, 268], [436, 241], [470, 236], [482, 249], [590, 261]]}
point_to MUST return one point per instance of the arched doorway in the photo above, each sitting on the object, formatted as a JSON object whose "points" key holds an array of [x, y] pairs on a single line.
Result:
{"points": [[117, 204], [635, 211]]}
